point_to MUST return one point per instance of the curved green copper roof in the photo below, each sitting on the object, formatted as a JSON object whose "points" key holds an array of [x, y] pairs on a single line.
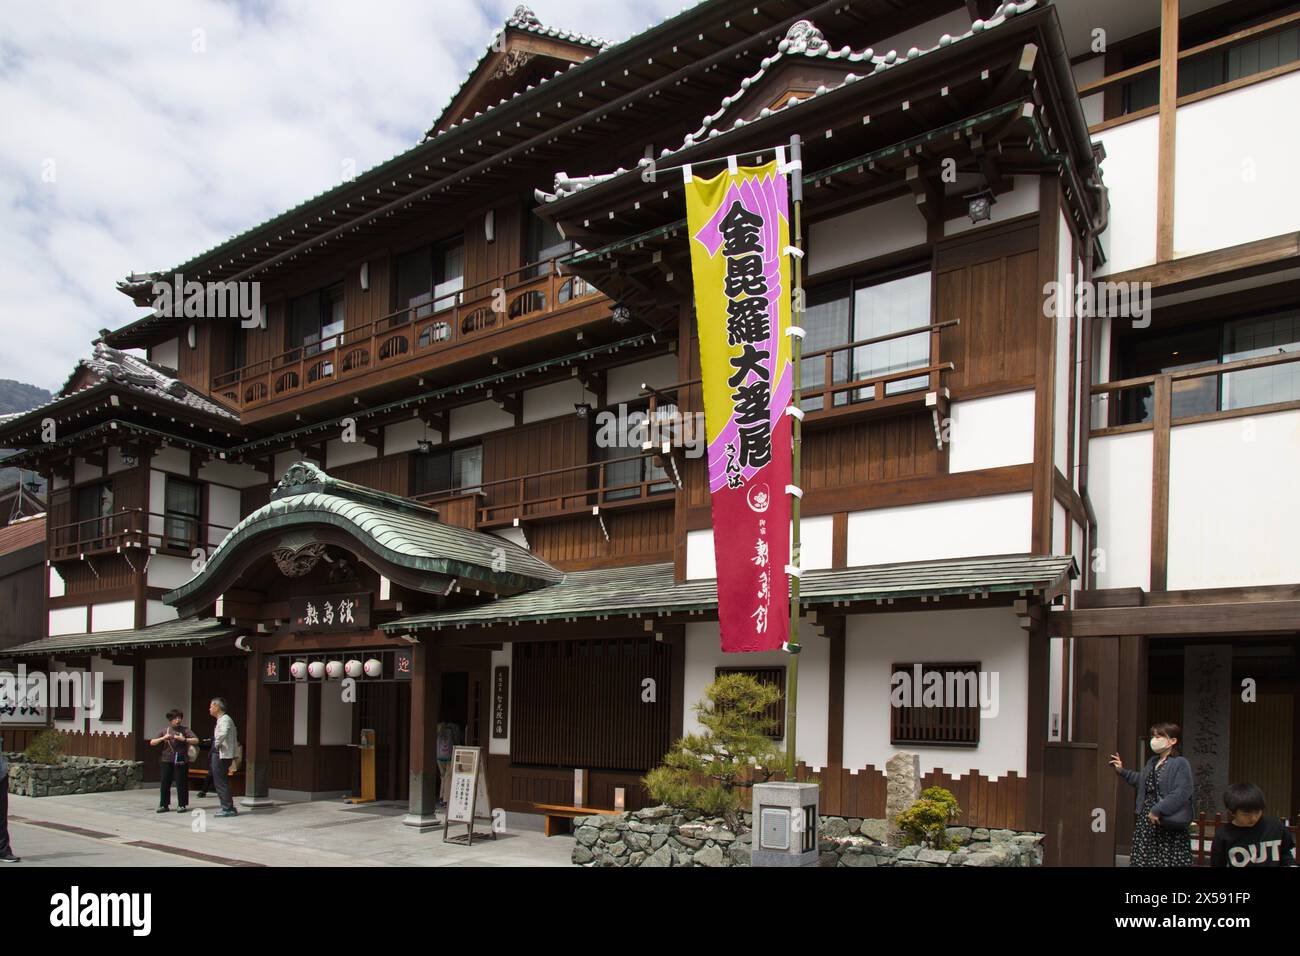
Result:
{"points": [[396, 529]]}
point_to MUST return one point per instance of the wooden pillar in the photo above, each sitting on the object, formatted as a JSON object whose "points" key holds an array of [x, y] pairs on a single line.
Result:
{"points": [[426, 687], [1131, 725], [1168, 136], [835, 702], [257, 735], [1163, 400], [1044, 466], [1036, 743], [140, 729]]}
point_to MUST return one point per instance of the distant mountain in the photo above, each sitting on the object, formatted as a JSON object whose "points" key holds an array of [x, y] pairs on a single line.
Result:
{"points": [[19, 396]]}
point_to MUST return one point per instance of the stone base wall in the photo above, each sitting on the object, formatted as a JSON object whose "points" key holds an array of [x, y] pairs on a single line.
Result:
{"points": [[72, 775], [662, 836]]}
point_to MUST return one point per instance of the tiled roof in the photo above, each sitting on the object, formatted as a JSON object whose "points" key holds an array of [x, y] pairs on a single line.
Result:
{"points": [[187, 631], [405, 533], [805, 42], [110, 366], [650, 589], [22, 533]]}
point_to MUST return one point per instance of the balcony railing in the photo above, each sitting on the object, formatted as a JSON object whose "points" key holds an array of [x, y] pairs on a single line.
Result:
{"points": [[556, 492], [1216, 390], [132, 528], [530, 292]]}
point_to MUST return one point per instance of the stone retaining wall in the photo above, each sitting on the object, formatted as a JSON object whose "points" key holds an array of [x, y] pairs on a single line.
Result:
{"points": [[72, 775], [661, 836]]}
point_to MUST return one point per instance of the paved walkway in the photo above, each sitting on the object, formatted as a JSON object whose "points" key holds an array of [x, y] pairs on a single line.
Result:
{"points": [[122, 829]]}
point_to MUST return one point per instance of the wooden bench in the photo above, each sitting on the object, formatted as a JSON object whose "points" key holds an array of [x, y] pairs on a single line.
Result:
{"points": [[199, 781], [558, 817]]}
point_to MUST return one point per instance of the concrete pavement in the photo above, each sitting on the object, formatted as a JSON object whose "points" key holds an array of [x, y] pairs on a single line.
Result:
{"points": [[122, 829]]}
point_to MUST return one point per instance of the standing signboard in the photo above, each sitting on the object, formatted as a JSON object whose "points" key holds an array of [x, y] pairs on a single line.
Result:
{"points": [[468, 801]]}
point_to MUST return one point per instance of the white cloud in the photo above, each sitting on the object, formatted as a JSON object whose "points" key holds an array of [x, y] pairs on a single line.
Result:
{"points": [[158, 152]]}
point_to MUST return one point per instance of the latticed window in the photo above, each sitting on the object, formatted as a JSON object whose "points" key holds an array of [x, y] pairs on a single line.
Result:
{"points": [[935, 703]]}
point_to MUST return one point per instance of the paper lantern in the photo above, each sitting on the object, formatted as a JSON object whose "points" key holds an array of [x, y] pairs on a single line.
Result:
{"points": [[298, 669], [374, 668], [334, 670], [316, 669], [353, 668]]}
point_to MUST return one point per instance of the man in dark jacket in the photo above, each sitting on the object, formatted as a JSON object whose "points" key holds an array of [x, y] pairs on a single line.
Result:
{"points": [[6, 851]]}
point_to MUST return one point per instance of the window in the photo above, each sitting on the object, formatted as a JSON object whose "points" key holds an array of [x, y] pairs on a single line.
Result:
{"points": [[1218, 342], [182, 515], [765, 675], [935, 704], [454, 469], [621, 474], [316, 319], [542, 241], [113, 706], [429, 278], [844, 312], [94, 501]]}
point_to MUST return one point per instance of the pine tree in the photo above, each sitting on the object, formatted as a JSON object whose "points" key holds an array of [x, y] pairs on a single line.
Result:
{"points": [[702, 771]]}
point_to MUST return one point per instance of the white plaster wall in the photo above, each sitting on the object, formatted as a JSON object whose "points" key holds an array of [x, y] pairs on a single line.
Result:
{"points": [[1233, 520], [704, 654], [874, 643], [166, 353], [223, 512], [1235, 167], [79, 711], [157, 503], [814, 547], [1060, 520], [126, 674], [156, 612], [301, 694], [997, 524], [115, 462], [167, 571], [1089, 71], [1129, 172], [59, 483], [864, 234], [477, 419], [1020, 200], [167, 683], [175, 460], [501, 658], [623, 384], [113, 616], [339, 452], [68, 620], [554, 400], [335, 716], [237, 476], [57, 585], [1119, 484], [404, 436], [82, 471], [992, 432]]}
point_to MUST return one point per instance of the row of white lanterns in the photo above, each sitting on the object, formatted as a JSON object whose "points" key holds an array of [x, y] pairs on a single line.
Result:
{"points": [[301, 670]]}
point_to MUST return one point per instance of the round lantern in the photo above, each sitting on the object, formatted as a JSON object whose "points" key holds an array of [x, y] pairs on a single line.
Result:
{"points": [[374, 668], [316, 669], [353, 668], [298, 669], [334, 670]]}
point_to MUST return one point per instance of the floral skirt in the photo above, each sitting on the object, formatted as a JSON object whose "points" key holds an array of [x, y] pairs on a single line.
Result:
{"points": [[1154, 845]]}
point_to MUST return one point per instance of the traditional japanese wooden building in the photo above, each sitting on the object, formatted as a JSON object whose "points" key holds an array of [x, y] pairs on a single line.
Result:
{"points": [[422, 467]]}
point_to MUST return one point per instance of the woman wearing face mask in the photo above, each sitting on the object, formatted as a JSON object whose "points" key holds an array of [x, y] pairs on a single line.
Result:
{"points": [[1164, 801]]}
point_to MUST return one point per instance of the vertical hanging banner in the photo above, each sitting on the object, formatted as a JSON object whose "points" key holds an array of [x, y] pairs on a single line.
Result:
{"points": [[739, 229]]}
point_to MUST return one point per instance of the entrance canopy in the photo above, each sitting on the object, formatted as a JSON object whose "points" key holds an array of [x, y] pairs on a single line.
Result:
{"points": [[650, 590], [398, 538], [188, 632]]}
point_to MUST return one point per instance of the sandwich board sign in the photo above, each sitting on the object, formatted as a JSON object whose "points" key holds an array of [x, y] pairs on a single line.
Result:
{"points": [[468, 800]]}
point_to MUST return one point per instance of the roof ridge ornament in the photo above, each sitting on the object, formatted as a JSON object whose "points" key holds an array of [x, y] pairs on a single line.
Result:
{"points": [[299, 475], [524, 16], [804, 37]]}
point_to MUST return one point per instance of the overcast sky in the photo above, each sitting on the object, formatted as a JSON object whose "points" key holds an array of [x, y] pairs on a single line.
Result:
{"points": [[136, 133]]}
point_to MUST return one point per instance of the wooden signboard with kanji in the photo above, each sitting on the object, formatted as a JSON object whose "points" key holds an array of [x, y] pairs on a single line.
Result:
{"points": [[468, 801]]}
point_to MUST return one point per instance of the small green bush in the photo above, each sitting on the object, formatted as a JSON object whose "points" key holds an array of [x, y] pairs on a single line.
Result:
{"points": [[927, 819], [46, 747]]}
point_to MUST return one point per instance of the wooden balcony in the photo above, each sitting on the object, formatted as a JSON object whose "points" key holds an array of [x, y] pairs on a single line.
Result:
{"points": [[586, 489], [131, 528], [360, 355]]}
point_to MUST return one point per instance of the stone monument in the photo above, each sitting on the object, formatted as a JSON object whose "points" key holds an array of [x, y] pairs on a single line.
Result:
{"points": [[902, 789]]}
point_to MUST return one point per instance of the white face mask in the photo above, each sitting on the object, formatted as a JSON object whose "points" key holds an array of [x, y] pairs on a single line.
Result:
{"points": [[1159, 744]]}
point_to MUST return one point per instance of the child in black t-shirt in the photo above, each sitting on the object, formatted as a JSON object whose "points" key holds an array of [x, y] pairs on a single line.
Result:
{"points": [[1250, 838]]}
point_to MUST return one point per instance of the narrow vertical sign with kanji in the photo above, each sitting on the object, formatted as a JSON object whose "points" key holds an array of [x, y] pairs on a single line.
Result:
{"points": [[739, 232]]}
